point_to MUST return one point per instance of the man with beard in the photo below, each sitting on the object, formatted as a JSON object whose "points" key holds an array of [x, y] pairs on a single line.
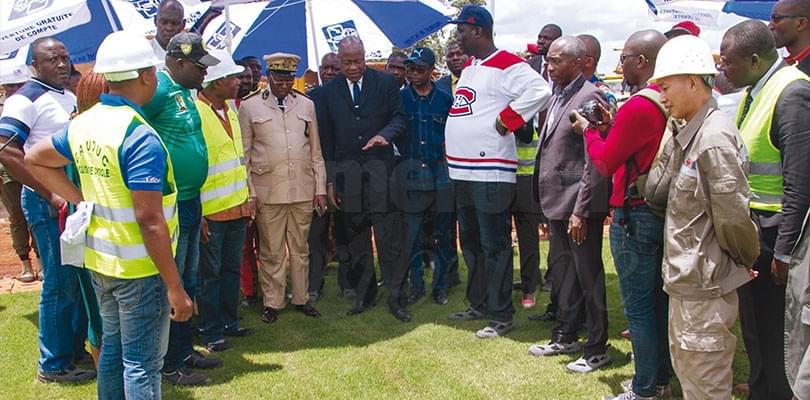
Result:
{"points": [[169, 21], [454, 60], [547, 35], [790, 24]]}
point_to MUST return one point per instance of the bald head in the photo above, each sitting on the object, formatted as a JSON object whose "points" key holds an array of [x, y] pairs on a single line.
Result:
{"points": [[570, 46], [748, 38], [639, 54], [352, 57], [169, 21], [593, 52], [51, 61]]}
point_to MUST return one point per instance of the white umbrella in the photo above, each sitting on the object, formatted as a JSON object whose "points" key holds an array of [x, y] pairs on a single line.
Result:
{"points": [[23, 21]]}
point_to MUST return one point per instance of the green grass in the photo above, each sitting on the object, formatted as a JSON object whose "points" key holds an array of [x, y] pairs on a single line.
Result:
{"points": [[371, 356]]}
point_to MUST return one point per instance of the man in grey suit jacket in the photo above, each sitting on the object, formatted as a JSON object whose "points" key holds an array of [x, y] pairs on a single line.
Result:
{"points": [[573, 196]]}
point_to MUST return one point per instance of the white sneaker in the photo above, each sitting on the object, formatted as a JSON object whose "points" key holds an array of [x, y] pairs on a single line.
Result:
{"points": [[553, 349], [589, 364], [628, 395]]}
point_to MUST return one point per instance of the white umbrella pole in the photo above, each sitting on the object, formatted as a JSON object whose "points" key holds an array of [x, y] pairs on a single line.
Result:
{"points": [[312, 35], [229, 38], [108, 12]]}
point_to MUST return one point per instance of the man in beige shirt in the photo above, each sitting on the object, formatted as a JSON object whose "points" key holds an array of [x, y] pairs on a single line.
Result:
{"points": [[710, 242], [287, 177]]}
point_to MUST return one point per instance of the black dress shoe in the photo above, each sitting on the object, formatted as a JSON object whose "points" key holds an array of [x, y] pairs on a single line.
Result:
{"points": [[198, 360], [415, 297], [307, 310], [349, 293], [241, 332], [548, 316], [401, 314], [270, 315], [440, 297], [517, 285], [218, 347], [356, 310]]}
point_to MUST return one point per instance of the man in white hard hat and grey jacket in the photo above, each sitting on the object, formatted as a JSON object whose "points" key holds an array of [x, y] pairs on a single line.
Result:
{"points": [[710, 241]]}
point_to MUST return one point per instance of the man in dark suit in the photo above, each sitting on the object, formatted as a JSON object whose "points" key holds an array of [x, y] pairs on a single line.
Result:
{"points": [[573, 196], [547, 35], [361, 115]]}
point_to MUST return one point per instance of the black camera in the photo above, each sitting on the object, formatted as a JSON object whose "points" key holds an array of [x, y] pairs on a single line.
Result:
{"points": [[590, 110]]}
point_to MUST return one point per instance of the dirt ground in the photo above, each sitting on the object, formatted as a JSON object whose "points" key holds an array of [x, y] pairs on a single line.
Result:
{"points": [[10, 263]]}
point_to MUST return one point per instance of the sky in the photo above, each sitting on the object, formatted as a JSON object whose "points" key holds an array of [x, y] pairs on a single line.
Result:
{"points": [[517, 23]]}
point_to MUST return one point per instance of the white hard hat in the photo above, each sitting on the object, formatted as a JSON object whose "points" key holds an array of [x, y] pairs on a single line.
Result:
{"points": [[226, 67], [684, 55], [18, 74], [122, 54]]}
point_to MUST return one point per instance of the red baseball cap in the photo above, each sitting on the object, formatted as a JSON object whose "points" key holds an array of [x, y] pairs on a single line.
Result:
{"points": [[683, 27]]}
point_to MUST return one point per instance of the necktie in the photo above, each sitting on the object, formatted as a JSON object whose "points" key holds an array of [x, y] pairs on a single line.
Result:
{"points": [[545, 71], [746, 106], [280, 103], [356, 94]]}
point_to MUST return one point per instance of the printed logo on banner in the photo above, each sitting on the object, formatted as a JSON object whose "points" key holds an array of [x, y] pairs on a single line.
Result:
{"points": [[336, 32], [463, 101], [23, 8], [219, 40], [9, 56], [147, 8]]}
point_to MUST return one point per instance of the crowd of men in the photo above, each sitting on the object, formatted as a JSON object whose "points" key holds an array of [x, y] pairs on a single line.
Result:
{"points": [[198, 184]]}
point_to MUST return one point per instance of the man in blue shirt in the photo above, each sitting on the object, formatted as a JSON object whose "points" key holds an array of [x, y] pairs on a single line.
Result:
{"points": [[428, 191]]}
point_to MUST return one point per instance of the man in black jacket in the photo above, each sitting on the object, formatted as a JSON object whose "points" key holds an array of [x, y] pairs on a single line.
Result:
{"points": [[790, 24], [360, 116], [774, 122]]}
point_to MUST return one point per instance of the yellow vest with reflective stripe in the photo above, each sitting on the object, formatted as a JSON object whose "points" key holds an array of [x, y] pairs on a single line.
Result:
{"points": [[114, 246], [764, 161], [226, 186], [526, 153]]}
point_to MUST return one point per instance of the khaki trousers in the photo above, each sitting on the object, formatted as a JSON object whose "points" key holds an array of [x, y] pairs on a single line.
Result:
{"points": [[702, 345], [283, 231]]}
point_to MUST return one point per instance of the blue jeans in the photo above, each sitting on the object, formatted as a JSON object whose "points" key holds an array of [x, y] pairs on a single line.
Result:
{"points": [[135, 318], [62, 318], [439, 206], [485, 224], [637, 253], [218, 300], [187, 258]]}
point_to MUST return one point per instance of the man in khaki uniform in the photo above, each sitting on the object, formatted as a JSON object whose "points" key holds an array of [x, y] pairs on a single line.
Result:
{"points": [[710, 241], [287, 177]]}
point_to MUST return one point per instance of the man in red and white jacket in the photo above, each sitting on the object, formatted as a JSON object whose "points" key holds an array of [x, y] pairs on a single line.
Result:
{"points": [[495, 95]]}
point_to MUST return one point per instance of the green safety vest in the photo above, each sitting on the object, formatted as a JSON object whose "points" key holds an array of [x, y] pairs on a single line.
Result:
{"points": [[526, 153], [764, 161], [226, 185], [114, 245]]}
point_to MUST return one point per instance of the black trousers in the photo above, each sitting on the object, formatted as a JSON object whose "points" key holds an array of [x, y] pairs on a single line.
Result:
{"points": [[527, 215], [762, 318], [318, 245], [580, 279]]}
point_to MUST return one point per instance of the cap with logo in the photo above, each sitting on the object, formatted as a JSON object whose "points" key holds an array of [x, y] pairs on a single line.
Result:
{"points": [[474, 15], [122, 54], [18, 74], [189, 46], [226, 67], [422, 56], [282, 63]]}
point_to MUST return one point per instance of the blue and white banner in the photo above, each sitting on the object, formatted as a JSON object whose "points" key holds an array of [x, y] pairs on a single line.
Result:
{"points": [[23, 21]]}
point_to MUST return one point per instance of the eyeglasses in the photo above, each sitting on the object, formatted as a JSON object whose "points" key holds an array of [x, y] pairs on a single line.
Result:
{"points": [[775, 18], [419, 69]]}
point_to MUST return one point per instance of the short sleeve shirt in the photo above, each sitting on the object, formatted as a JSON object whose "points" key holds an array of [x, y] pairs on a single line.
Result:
{"points": [[173, 113], [36, 111]]}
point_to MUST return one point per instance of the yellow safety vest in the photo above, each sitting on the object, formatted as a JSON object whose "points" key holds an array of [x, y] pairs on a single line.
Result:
{"points": [[526, 153], [764, 160], [114, 246], [226, 186]]}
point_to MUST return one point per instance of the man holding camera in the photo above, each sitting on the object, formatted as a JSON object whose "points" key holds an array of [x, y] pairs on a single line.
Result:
{"points": [[573, 197]]}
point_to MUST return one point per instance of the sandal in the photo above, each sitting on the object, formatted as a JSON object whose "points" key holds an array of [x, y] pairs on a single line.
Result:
{"points": [[495, 329], [469, 314], [27, 277]]}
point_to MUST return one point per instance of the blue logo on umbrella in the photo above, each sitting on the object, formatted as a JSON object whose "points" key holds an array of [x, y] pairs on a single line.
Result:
{"points": [[336, 32], [23, 8], [220, 38], [147, 8], [9, 56]]}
